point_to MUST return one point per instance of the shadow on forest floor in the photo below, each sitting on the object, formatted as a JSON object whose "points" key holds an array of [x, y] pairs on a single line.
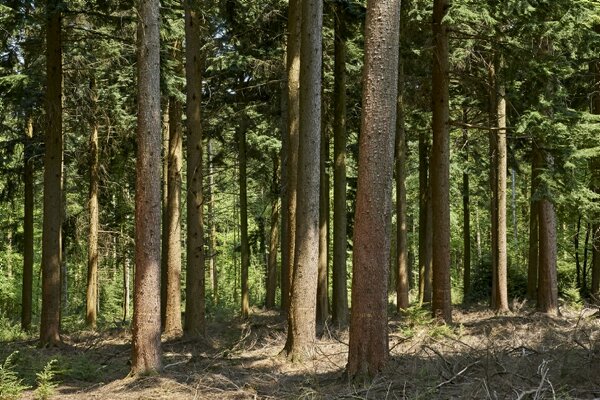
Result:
{"points": [[523, 355]]}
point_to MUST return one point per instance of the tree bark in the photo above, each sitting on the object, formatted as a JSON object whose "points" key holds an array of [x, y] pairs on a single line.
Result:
{"points": [[595, 167], [302, 313], [273, 237], [92, 278], [212, 242], [194, 324], [27, 292], [339, 289], [323, 273], [245, 247], [368, 346], [440, 167], [402, 286], [466, 219], [291, 157], [172, 322], [164, 261], [532, 269], [53, 182], [425, 221], [146, 357]]}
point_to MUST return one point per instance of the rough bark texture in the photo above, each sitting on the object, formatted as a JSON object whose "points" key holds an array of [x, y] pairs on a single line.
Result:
{"points": [[402, 286], [92, 273], [425, 221], [146, 357], [126, 285], [532, 268], [466, 220], [291, 157], [212, 241], [493, 181], [368, 347], [440, 167], [194, 325], [339, 289], [302, 313], [27, 292], [323, 282], [53, 183], [547, 296], [273, 237], [245, 246], [501, 303], [172, 321], [164, 262]]}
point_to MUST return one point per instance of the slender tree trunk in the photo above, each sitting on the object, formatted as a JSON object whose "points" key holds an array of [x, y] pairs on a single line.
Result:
{"points": [[212, 243], [323, 273], [126, 284], [302, 313], [340, 291], [172, 322], [92, 278], [440, 167], [194, 325], [595, 167], [425, 221], [596, 260], [291, 158], [273, 236], [577, 263], [466, 219], [402, 286], [368, 346], [585, 253], [164, 261], [27, 292], [146, 316], [501, 294], [493, 181], [532, 269], [53, 182], [245, 247]]}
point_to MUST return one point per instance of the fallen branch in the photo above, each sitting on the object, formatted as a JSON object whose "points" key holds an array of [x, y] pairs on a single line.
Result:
{"points": [[462, 371]]}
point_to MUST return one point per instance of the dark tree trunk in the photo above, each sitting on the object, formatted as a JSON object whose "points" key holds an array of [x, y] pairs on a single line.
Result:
{"points": [[577, 263], [164, 261], [340, 291], [466, 219], [27, 292], [53, 182], [212, 241], [532, 269], [92, 277], [245, 246], [323, 283], [273, 237], [368, 347], [425, 221], [146, 356], [440, 167]]}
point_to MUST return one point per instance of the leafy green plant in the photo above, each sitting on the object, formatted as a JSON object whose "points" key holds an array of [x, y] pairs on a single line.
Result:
{"points": [[11, 386], [46, 387]]}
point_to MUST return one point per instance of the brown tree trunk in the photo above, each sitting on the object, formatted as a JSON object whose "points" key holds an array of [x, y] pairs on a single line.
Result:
{"points": [[302, 313], [27, 292], [194, 325], [172, 322], [126, 277], [493, 181], [595, 167], [164, 261], [339, 289], [368, 347], [146, 356], [440, 167], [273, 237], [288, 242], [596, 260], [425, 221], [323, 273], [53, 182], [402, 286], [245, 246], [532, 269], [212, 242], [501, 295], [92, 277], [466, 219]]}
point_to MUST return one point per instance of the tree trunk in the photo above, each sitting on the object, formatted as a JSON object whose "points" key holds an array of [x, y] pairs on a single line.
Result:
{"points": [[596, 260], [368, 346], [402, 286], [532, 269], [501, 295], [273, 236], [323, 273], [126, 285], [577, 263], [245, 247], [302, 313], [291, 157], [53, 182], [466, 220], [194, 325], [595, 167], [27, 292], [172, 322], [340, 291], [164, 261], [493, 181], [146, 356], [440, 167], [212, 242], [92, 278]]}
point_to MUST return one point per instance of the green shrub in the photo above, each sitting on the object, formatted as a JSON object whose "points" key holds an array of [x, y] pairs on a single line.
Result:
{"points": [[11, 386], [46, 387]]}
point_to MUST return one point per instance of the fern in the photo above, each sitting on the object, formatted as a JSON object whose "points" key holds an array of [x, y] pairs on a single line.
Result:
{"points": [[11, 386], [46, 387]]}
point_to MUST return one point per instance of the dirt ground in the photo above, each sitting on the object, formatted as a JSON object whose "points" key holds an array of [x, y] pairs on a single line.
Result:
{"points": [[522, 355]]}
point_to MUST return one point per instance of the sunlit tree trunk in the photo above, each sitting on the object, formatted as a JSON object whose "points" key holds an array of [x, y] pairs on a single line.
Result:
{"points": [[92, 276], [273, 236], [146, 357], [245, 247]]}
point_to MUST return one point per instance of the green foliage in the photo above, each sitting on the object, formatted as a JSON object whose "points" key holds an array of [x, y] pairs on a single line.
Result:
{"points": [[11, 386], [46, 386]]}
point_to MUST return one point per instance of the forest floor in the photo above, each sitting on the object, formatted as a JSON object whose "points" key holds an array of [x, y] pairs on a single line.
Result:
{"points": [[521, 355]]}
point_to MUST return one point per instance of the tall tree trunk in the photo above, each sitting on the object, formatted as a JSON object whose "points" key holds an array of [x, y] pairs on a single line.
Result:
{"points": [[212, 242], [53, 182], [291, 157], [323, 273], [302, 313], [273, 236], [92, 277], [194, 325], [402, 286], [425, 221], [172, 322], [440, 167], [466, 219], [532, 269], [146, 356], [164, 260], [245, 246], [577, 263], [368, 346], [501, 294], [126, 277], [595, 167], [340, 291], [493, 180], [27, 292]]}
